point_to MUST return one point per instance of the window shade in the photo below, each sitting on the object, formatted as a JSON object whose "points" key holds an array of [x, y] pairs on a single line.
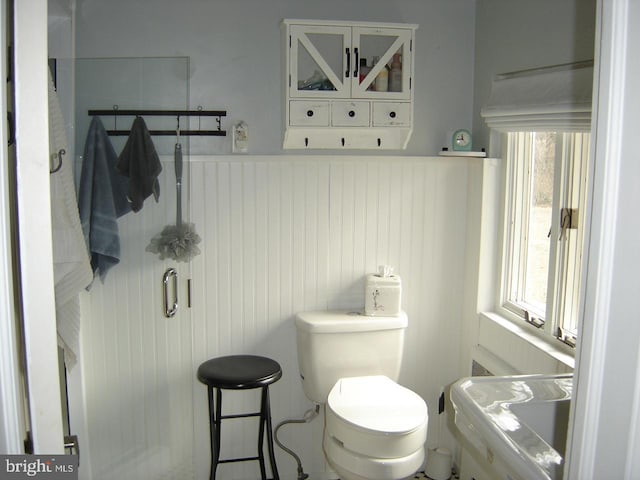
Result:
{"points": [[545, 99]]}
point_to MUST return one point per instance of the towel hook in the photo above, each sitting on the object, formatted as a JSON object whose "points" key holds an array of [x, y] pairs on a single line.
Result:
{"points": [[61, 152]]}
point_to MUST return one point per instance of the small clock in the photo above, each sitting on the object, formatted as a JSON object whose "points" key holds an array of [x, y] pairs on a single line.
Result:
{"points": [[461, 140]]}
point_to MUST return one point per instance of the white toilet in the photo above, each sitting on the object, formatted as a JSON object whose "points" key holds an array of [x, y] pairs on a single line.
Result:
{"points": [[375, 429]]}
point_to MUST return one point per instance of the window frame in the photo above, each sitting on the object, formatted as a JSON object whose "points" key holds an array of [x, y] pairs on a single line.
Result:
{"points": [[570, 146]]}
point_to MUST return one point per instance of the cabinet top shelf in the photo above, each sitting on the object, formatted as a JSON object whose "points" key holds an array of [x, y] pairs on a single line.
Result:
{"points": [[288, 21]]}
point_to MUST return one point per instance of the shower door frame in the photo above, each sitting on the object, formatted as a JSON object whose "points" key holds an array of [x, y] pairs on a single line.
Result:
{"points": [[35, 250]]}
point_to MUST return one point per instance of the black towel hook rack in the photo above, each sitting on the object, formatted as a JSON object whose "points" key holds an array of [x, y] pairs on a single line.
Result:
{"points": [[116, 111]]}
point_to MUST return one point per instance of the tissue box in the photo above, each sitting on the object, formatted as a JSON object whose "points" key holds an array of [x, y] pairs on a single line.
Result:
{"points": [[383, 295]]}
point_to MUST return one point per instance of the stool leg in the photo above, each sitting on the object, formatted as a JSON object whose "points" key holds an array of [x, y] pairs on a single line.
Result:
{"points": [[263, 420], [215, 414], [266, 409]]}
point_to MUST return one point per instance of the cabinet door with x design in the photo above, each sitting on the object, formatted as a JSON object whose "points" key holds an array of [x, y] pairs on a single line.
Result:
{"points": [[348, 85]]}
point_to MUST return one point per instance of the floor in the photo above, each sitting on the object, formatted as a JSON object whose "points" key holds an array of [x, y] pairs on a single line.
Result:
{"points": [[454, 476], [423, 475]]}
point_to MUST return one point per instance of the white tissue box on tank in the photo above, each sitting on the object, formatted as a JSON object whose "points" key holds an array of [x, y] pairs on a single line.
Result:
{"points": [[383, 295]]}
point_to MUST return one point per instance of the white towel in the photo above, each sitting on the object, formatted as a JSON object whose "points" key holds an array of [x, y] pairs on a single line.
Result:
{"points": [[71, 267]]}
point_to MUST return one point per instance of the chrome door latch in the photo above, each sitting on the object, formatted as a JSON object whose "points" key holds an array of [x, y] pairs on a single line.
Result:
{"points": [[170, 308]]}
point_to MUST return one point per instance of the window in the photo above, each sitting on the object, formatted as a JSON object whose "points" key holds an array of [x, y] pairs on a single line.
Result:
{"points": [[544, 235]]}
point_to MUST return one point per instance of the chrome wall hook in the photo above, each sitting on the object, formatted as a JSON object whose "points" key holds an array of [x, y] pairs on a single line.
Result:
{"points": [[60, 153]]}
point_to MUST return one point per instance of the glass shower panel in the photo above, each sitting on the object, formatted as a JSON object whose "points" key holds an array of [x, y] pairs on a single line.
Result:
{"points": [[128, 83], [136, 363]]}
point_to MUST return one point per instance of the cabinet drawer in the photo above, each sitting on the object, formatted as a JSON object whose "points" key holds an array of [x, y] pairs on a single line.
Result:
{"points": [[309, 113], [391, 114], [350, 114]]}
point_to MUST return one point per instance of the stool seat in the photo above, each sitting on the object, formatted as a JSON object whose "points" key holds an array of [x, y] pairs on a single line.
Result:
{"points": [[239, 372]]}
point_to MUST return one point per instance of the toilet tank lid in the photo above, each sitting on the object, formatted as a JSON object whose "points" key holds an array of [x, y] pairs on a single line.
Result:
{"points": [[340, 321]]}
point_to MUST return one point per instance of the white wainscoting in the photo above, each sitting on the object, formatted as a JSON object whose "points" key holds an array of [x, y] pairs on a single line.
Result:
{"points": [[281, 234]]}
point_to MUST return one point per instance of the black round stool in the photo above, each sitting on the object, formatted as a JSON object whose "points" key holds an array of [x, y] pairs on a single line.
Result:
{"points": [[240, 372]]}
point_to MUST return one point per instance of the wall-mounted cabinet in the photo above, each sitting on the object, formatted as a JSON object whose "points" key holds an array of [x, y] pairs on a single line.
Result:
{"points": [[348, 85]]}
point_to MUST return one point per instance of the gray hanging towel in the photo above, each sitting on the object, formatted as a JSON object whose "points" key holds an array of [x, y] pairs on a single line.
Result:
{"points": [[139, 161], [101, 199]]}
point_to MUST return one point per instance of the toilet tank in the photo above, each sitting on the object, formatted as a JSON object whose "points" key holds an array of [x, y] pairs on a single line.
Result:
{"points": [[338, 344]]}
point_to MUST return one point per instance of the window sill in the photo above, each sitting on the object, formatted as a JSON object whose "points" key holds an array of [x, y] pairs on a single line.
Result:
{"points": [[524, 351]]}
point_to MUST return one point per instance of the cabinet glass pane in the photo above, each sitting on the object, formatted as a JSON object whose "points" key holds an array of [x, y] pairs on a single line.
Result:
{"points": [[372, 48], [319, 61], [384, 62]]}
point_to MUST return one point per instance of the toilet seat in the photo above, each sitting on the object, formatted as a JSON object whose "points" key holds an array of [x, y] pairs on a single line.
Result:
{"points": [[375, 416]]}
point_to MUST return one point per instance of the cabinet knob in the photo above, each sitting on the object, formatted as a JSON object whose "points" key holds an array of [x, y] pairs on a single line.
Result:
{"points": [[392, 114], [352, 113], [309, 113]]}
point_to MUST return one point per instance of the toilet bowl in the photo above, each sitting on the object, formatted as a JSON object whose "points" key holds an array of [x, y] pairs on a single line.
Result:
{"points": [[375, 429], [351, 466]]}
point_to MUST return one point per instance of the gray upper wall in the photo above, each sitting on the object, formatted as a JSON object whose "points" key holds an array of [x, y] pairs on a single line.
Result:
{"points": [[236, 53], [514, 35]]}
